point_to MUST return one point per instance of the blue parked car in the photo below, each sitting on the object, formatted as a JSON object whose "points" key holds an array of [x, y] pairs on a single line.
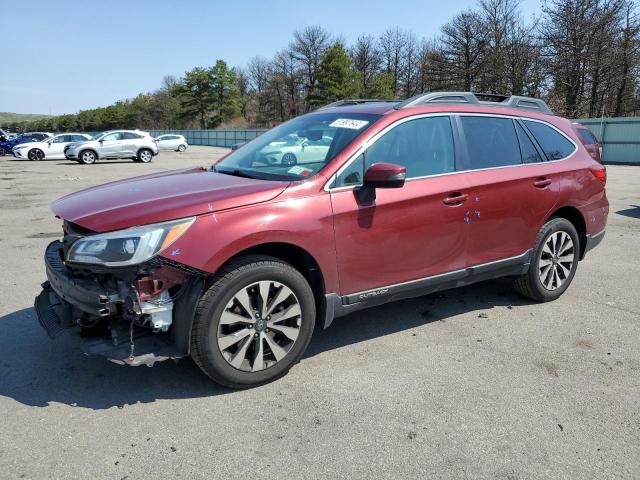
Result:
{"points": [[7, 146]]}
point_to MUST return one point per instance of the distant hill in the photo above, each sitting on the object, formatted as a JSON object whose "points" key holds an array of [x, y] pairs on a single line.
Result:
{"points": [[10, 117]]}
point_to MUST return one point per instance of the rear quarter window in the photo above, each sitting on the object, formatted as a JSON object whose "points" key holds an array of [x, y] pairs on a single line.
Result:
{"points": [[555, 145], [587, 137]]}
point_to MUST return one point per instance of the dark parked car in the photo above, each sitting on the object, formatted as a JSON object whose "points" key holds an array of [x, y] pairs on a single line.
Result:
{"points": [[6, 147], [236, 264]]}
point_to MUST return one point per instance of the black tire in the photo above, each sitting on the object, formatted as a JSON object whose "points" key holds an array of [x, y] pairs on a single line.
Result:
{"points": [[232, 278], [182, 148], [35, 154], [3, 152], [145, 155], [289, 159], [531, 284], [87, 157]]}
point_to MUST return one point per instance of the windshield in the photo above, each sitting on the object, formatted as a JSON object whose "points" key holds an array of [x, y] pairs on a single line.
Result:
{"points": [[98, 135], [297, 149]]}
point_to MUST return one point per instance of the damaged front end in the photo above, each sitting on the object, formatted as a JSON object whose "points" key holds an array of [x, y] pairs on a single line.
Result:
{"points": [[131, 314]]}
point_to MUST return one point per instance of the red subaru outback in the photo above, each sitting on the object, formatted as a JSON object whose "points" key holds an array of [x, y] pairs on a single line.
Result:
{"points": [[357, 204]]}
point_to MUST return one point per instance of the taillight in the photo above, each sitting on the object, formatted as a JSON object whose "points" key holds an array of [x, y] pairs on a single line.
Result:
{"points": [[600, 174]]}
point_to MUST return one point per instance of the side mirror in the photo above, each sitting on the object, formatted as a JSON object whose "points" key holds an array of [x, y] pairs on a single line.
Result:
{"points": [[381, 175]]}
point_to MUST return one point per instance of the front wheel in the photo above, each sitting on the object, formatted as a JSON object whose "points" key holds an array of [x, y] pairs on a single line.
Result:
{"points": [[3, 152], [289, 159], [145, 155], [87, 157], [35, 154], [253, 323], [554, 262]]}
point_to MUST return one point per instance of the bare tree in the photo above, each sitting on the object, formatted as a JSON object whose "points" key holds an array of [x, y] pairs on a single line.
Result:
{"points": [[307, 48], [464, 45], [365, 57], [392, 44]]}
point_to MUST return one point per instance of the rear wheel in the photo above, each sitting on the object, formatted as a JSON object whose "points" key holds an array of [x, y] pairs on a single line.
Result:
{"points": [[87, 157], [35, 154], [3, 152], [145, 155], [182, 148], [554, 262], [253, 323]]}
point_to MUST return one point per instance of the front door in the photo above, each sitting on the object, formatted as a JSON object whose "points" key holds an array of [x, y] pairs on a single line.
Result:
{"points": [[111, 145], [408, 233]]}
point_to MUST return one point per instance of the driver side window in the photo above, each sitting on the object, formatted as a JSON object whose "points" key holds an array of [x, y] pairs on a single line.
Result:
{"points": [[111, 137], [423, 145]]}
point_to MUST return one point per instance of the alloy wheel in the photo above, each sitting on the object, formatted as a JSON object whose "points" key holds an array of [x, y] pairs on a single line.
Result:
{"points": [[145, 156], [556, 260], [259, 325]]}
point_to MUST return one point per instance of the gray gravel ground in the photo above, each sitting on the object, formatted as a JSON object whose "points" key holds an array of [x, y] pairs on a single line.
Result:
{"points": [[473, 383]]}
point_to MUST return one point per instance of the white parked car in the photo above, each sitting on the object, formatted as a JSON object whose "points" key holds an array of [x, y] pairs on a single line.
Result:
{"points": [[293, 150], [50, 148], [134, 144], [172, 142]]}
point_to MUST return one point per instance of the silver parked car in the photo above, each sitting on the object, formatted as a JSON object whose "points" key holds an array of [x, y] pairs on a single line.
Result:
{"points": [[133, 144], [172, 142]]}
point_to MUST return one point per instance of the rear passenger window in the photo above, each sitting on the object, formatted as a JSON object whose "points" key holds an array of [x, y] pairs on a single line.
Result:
{"points": [[527, 148], [554, 144], [491, 142]]}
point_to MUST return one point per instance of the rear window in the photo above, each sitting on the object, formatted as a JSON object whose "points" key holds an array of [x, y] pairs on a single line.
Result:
{"points": [[491, 142], [553, 143]]}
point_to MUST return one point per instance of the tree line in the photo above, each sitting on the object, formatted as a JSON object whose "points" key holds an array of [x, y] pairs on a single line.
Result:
{"points": [[581, 56]]}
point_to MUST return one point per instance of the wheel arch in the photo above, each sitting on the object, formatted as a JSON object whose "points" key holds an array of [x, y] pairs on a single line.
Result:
{"points": [[573, 215], [294, 255], [95, 152]]}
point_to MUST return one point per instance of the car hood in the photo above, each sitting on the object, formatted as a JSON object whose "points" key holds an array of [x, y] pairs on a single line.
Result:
{"points": [[161, 197]]}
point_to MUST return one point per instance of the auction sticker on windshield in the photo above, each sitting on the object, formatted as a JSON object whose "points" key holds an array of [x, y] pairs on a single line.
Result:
{"points": [[297, 170], [349, 123]]}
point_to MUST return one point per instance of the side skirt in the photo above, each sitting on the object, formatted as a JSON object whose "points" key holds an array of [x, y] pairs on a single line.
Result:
{"points": [[338, 306]]}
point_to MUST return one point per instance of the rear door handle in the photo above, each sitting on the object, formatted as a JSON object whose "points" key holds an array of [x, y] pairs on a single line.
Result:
{"points": [[455, 199], [542, 182]]}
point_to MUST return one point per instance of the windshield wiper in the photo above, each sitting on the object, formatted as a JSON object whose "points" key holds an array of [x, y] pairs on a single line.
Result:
{"points": [[235, 173]]}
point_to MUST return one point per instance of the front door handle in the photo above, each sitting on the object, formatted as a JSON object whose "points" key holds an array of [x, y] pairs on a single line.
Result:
{"points": [[542, 182], [455, 199]]}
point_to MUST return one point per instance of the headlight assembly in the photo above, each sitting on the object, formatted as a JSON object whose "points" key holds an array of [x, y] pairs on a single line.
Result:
{"points": [[128, 247]]}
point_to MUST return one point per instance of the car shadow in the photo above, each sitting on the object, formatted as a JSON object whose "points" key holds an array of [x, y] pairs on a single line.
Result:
{"points": [[101, 162], [633, 212], [38, 372]]}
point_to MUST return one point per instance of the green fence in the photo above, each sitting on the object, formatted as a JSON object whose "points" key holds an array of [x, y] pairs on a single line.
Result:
{"points": [[215, 138], [620, 138]]}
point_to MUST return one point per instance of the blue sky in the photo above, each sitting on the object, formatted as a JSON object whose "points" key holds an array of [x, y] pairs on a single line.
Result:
{"points": [[65, 56]]}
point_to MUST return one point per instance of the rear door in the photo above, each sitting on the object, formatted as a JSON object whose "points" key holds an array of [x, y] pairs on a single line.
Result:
{"points": [[510, 193], [130, 144], [406, 233]]}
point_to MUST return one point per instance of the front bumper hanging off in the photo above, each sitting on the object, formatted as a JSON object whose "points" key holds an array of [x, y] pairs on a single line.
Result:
{"points": [[66, 299]]}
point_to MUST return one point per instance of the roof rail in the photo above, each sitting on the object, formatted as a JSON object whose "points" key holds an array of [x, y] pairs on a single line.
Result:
{"points": [[355, 101], [492, 99]]}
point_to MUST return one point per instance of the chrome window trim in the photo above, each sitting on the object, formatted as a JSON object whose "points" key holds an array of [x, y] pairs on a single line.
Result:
{"points": [[371, 140]]}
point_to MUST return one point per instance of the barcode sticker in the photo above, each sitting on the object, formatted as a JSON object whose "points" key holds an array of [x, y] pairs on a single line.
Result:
{"points": [[349, 123]]}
